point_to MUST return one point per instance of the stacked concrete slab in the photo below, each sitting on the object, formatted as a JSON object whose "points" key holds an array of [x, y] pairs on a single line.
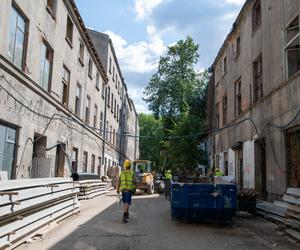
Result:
{"points": [[285, 212], [93, 188], [28, 205]]}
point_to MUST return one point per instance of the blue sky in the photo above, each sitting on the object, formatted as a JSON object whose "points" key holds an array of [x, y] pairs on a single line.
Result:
{"points": [[141, 30]]}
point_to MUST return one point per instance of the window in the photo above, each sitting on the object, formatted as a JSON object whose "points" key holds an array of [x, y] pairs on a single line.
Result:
{"points": [[51, 7], [95, 116], [93, 163], [87, 110], [117, 112], [256, 15], [217, 116], [110, 133], [110, 65], [78, 100], [101, 123], [115, 107], [112, 103], [99, 166], [114, 137], [118, 87], [224, 110], [17, 38], [75, 160], [66, 84], [238, 46], [224, 65], [103, 90], [97, 81], [90, 72], [238, 97], [69, 32], [113, 78], [108, 97], [257, 79], [81, 53], [46, 66], [292, 48], [106, 131], [116, 81], [226, 163], [84, 162]]}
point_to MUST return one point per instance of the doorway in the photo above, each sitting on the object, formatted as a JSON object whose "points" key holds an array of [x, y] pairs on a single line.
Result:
{"points": [[60, 159], [293, 159], [260, 168]]}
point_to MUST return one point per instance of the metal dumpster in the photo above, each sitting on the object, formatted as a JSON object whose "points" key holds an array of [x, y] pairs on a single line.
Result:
{"points": [[203, 202]]}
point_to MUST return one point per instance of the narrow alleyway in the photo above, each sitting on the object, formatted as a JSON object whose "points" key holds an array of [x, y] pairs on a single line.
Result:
{"points": [[98, 226]]}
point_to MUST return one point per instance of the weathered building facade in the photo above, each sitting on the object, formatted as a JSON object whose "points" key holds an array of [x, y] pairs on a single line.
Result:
{"points": [[256, 98], [53, 94]]}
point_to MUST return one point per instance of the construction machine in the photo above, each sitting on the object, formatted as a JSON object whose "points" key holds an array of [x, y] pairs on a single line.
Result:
{"points": [[143, 175]]}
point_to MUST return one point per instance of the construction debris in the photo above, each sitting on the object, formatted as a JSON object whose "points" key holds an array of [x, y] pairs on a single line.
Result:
{"points": [[28, 205], [286, 212]]}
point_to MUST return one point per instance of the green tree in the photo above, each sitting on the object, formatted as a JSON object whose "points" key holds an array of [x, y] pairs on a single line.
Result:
{"points": [[170, 87], [150, 146], [176, 94]]}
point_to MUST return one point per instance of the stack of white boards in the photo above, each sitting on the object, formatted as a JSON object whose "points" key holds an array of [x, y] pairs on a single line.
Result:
{"points": [[28, 205], [285, 212], [92, 188]]}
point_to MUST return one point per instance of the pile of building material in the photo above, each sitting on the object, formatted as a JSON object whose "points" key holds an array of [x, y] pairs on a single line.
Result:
{"points": [[285, 212], [92, 188], [28, 205]]}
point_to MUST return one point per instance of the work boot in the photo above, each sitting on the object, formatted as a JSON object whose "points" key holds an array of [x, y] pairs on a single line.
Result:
{"points": [[127, 216]]}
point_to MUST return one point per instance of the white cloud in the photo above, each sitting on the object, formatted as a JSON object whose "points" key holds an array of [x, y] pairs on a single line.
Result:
{"points": [[139, 57], [144, 8], [236, 2]]}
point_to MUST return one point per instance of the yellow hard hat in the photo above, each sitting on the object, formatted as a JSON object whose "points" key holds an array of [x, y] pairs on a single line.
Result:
{"points": [[127, 163]]}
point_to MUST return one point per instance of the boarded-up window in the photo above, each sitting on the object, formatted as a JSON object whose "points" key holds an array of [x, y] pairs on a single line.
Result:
{"points": [[17, 37], [257, 79], [256, 15], [292, 48]]}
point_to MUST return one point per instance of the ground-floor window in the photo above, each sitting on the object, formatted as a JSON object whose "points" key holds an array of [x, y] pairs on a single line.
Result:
{"points": [[7, 151], [293, 158]]}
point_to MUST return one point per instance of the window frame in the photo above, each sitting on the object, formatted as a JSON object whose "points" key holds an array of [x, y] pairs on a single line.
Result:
{"points": [[81, 53], [69, 39], [90, 68], [52, 10], [49, 50], [225, 109], [78, 100], [67, 85], [258, 75], [256, 19], [87, 118], [238, 109], [97, 85], [95, 117], [85, 163], [26, 34]]}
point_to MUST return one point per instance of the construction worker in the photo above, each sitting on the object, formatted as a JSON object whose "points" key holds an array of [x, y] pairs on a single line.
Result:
{"points": [[126, 185], [168, 177], [218, 172]]}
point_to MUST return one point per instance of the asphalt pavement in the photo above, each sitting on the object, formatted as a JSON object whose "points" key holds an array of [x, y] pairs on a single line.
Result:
{"points": [[99, 226]]}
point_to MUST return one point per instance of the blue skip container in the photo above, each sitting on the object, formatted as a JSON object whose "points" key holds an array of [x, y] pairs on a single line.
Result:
{"points": [[203, 202]]}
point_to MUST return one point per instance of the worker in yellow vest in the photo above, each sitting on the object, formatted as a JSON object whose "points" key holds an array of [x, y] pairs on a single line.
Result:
{"points": [[126, 185], [168, 178], [218, 172]]}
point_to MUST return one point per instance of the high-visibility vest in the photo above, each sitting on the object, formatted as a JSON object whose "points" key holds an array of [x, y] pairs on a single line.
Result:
{"points": [[219, 173], [168, 176], [127, 180]]}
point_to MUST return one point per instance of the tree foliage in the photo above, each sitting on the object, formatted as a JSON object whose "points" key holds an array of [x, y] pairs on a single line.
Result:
{"points": [[176, 94], [150, 148]]}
